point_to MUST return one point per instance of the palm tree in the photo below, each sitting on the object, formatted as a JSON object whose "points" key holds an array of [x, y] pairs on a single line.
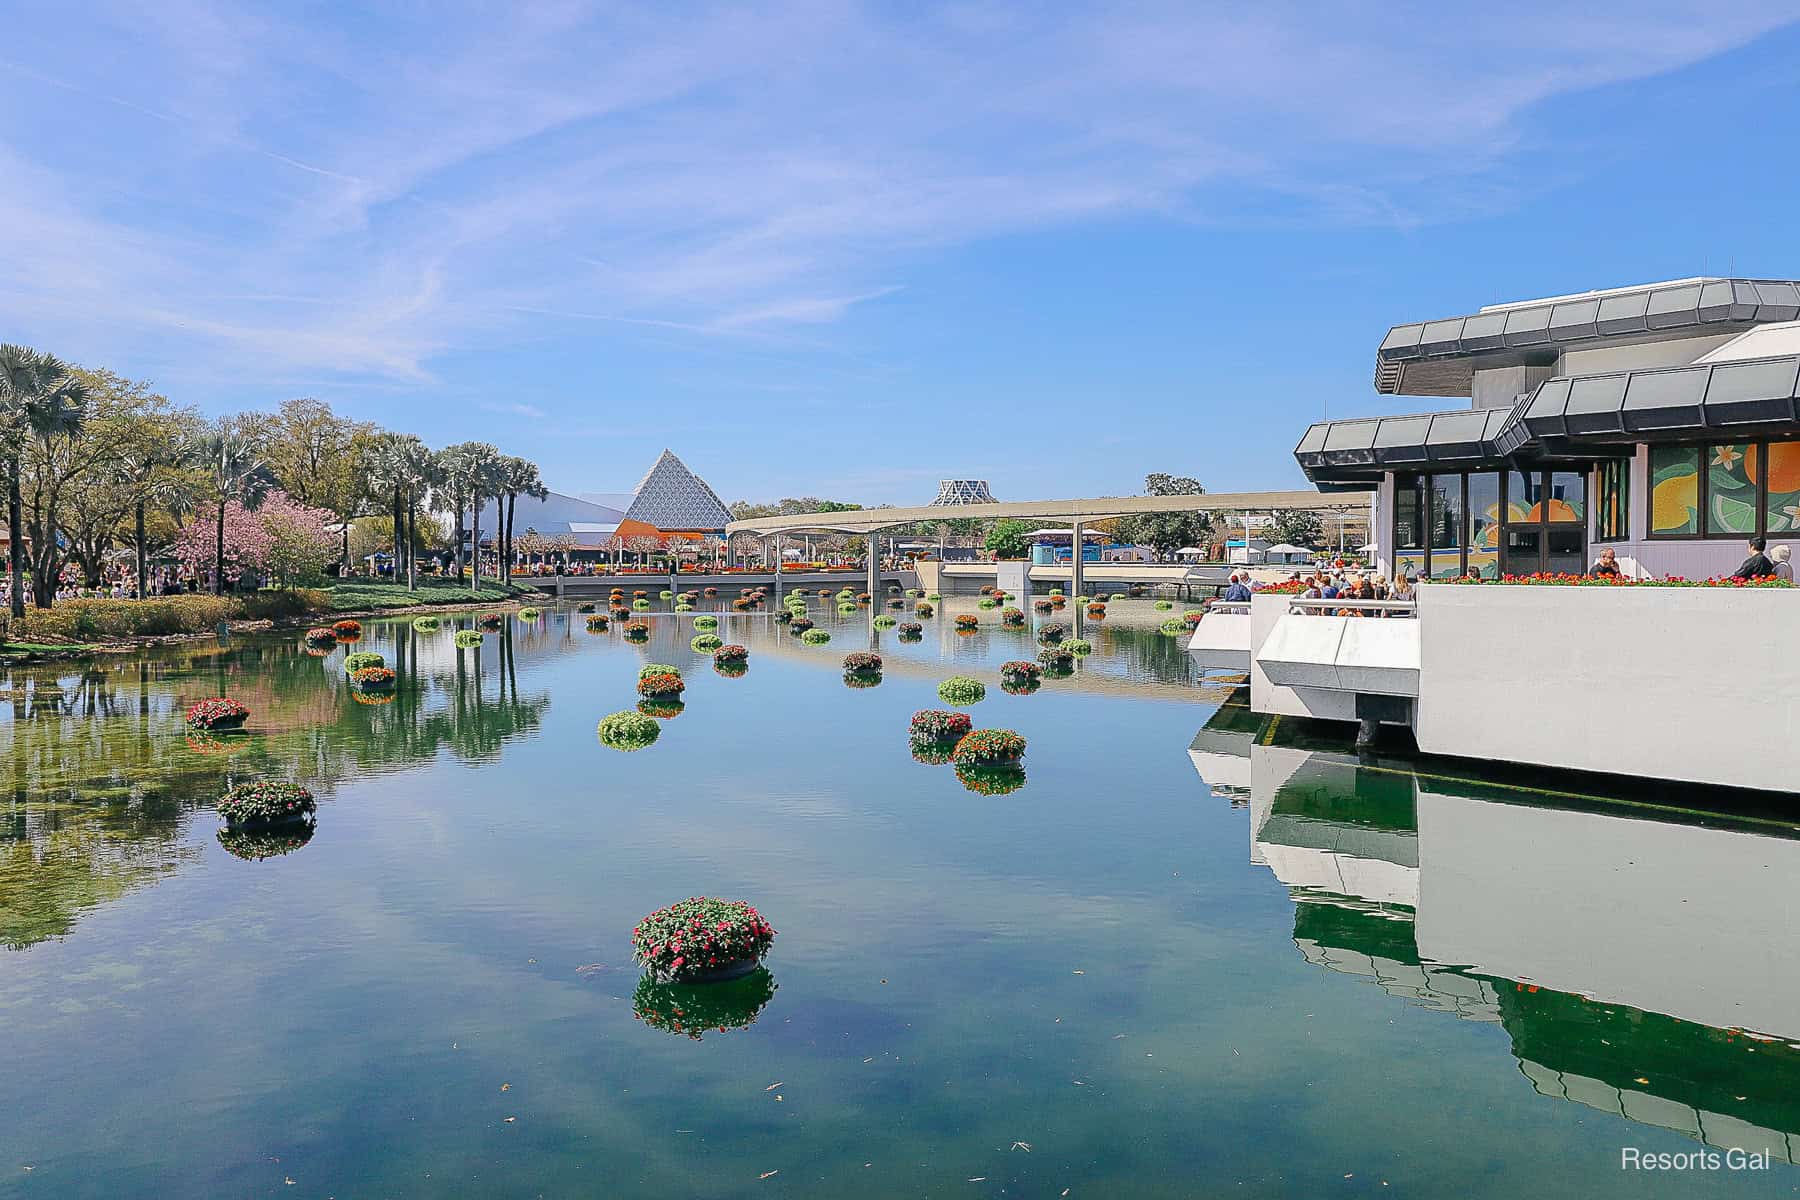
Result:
{"points": [[517, 478], [152, 468], [40, 397], [235, 469], [473, 473]]}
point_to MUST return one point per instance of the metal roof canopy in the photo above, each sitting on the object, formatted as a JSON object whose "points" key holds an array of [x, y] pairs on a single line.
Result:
{"points": [[1090, 509], [1536, 330]]}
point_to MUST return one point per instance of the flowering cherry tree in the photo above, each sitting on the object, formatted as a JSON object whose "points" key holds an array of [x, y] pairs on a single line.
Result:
{"points": [[282, 538]]}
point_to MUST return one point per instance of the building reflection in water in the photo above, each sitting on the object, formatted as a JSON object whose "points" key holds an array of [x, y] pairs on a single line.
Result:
{"points": [[1638, 951]]}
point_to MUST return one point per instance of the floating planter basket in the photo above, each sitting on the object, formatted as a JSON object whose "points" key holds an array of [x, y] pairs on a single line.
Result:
{"points": [[1041, 606], [1117, 596], [666, 594], [1078, 646], [912, 631], [799, 624], [639, 594], [1191, 618], [638, 631], [990, 748], [1163, 605], [598, 624], [1052, 632], [987, 602], [885, 622], [684, 606], [1011, 616], [730, 654], [706, 643], [649, 669], [430, 624], [490, 621], [265, 803], [372, 679], [347, 630], [862, 662], [960, 689], [362, 658], [701, 940], [731, 668], [530, 614], [939, 725], [706, 623], [896, 603], [923, 610], [1173, 627], [1055, 658], [815, 637], [1019, 671], [586, 606], [935, 598], [990, 781], [1056, 593], [662, 708], [640, 605], [467, 639], [628, 731], [322, 636], [1096, 612], [846, 609], [217, 715], [695, 1010], [619, 612], [741, 604], [965, 621]]}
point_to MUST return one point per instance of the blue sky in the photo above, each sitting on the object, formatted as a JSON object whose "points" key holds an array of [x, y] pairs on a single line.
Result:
{"points": [[845, 249]]}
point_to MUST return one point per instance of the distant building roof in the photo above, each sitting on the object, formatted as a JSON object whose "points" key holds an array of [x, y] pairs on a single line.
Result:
{"points": [[963, 491], [589, 523]]}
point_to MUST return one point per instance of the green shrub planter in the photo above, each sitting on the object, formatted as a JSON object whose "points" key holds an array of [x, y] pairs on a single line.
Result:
{"points": [[815, 637], [915, 593], [885, 622], [427, 624], [706, 623], [1078, 646], [960, 689], [530, 614], [706, 643], [684, 607], [935, 598], [362, 658], [1174, 627], [467, 639], [988, 602], [649, 669], [666, 594], [990, 748], [1055, 592], [1118, 596], [628, 730], [640, 605], [1163, 605], [701, 940], [266, 802], [846, 609]]}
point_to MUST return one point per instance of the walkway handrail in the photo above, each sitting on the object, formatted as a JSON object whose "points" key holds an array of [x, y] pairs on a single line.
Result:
{"points": [[1302, 604], [1228, 606]]}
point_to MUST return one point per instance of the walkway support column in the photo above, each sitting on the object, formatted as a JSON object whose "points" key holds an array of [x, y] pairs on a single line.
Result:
{"points": [[777, 564], [874, 589], [1075, 549]]}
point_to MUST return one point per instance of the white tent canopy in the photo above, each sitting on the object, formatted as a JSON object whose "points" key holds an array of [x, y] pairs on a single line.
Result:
{"points": [[1287, 548]]}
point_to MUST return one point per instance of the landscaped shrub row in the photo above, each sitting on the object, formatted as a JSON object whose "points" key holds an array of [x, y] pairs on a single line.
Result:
{"points": [[159, 616]]}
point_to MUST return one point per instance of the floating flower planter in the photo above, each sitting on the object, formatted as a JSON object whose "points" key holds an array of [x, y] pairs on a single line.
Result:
{"points": [[348, 630], [960, 689], [1041, 606], [990, 781], [939, 725], [932, 754], [1056, 658], [649, 669], [731, 668], [730, 654], [1078, 646], [990, 748], [661, 708], [321, 636], [628, 731], [815, 637], [695, 1010], [712, 591], [430, 624], [1173, 627], [1019, 671], [490, 621], [372, 699], [638, 631], [846, 609], [986, 603], [800, 624], [1163, 605], [639, 594], [1011, 616], [885, 622], [1058, 603], [372, 679], [586, 606], [640, 605], [265, 803], [859, 680], [619, 612], [741, 605], [706, 643], [923, 610], [684, 606], [935, 598], [363, 658], [598, 623], [912, 631], [1117, 596], [862, 662], [706, 623], [1191, 618], [254, 845], [217, 715], [1096, 612], [1052, 632], [530, 614], [666, 594], [467, 639], [1020, 689], [965, 621], [701, 940]]}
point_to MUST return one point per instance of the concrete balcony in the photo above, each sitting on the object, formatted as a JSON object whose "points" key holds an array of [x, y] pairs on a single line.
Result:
{"points": [[1376, 653], [1221, 642]]}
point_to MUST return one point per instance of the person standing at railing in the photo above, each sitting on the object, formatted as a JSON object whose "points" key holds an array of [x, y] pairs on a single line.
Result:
{"points": [[1237, 591]]}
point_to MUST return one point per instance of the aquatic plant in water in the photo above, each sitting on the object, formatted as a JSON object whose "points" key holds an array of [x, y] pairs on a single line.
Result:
{"points": [[628, 730], [730, 654], [1019, 671], [530, 614], [1011, 616], [1078, 646], [1052, 632], [1163, 605], [597, 623], [638, 631], [939, 725], [960, 689], [699, 939], [885, 622], [965, 621]]}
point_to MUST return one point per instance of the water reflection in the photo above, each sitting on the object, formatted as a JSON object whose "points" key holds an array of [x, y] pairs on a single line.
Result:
{"points": [[1634, 951]]}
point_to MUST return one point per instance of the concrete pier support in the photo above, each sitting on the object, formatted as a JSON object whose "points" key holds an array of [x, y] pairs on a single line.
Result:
{"points": [[874, 560], [1075, 571], [778, 564]]}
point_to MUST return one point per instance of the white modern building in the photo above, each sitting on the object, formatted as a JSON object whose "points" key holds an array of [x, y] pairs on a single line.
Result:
{"points": [[1660, 420]]}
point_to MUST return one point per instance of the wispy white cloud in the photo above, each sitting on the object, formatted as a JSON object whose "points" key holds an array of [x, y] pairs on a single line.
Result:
{"points": [[365, 201]]}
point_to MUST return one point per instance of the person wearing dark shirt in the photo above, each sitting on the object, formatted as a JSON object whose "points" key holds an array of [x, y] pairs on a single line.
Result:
{"points": [[1608, 564], [1757, 566]]}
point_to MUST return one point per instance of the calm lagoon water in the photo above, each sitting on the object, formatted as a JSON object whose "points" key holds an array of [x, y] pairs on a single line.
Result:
{"points": [[1193, 955]]}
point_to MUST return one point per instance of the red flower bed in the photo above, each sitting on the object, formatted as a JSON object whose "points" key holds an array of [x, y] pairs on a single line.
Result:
{"points": [[661, 685], [372, 679], [990, 747], [966, 622], [1563, 579], [321, 636], [220, 712], [1019, 671], [689, 939], [862, 662], [730, 654], [939, 725], [347, 629]]}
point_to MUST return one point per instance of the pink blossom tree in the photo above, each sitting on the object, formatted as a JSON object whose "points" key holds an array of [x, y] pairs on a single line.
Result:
{"points": [[283, 539]]}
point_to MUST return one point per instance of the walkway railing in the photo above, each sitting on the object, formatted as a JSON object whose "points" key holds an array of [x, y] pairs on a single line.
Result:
{"points": [[1332, 607]]}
